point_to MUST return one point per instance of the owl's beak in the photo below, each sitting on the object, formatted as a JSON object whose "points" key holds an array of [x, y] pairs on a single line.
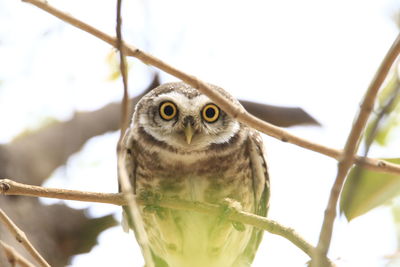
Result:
{"points": [[188, 133]]}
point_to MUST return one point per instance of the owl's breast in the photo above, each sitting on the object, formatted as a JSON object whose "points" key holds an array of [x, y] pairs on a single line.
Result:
{"points": [[185, 238], [189, 238], [209, 177]]}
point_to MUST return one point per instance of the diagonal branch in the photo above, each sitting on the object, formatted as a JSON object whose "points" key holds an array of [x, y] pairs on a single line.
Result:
{"points": [[13, 257], [21, 238], [8, 187], [350, 149], [238, 112]]}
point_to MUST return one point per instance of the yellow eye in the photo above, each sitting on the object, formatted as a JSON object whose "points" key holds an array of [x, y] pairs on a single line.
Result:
{"points": [[210, 113], [167, 110]]}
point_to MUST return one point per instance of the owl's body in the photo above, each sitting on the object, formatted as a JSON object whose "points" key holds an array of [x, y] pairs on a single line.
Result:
{"points": [[216, 159]]}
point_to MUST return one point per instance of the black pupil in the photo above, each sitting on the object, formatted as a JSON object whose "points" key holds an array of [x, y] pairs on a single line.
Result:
{"points": [[168, 110], [210, 113]]}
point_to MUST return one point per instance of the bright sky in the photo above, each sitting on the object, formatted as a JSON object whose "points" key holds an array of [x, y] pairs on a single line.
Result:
{"points": [[319, 55]]}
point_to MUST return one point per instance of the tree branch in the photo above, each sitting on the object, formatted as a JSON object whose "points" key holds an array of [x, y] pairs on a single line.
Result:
{"points": [[13, 257], [21, 238], [237, 112], [350, 149], [8, 187], [123, 176], [126, 104]]}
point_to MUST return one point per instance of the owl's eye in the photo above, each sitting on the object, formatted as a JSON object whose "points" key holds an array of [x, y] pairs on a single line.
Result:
{"points": [[210, 113], [168, 110]]}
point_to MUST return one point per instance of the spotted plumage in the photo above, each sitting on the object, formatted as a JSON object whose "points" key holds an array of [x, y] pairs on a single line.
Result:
{"points": [[182, 145]]}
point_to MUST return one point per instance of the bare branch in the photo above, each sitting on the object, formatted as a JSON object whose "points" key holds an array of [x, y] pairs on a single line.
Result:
{"points": [[350, 149], [126, 104], [8, 187], [14, 257], [239, 113], [21, 238], [123, 176]]}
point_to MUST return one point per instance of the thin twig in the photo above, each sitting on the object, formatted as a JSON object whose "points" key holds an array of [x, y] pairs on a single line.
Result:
{"points": [[126, 104], [13, 257], [21, 237], [350, 149], [124, 182], [9, 187], [239, 113]]}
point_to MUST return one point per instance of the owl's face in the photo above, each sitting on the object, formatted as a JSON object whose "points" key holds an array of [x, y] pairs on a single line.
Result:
{"points": [[182, 117]]}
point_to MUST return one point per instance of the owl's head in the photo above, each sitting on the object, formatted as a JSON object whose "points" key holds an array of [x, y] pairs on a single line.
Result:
{"points": [[182, 117]]}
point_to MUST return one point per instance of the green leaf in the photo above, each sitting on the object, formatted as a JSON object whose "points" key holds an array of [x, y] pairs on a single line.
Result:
{"points": [[113, 62], [239, 226], [365, 189], [382, 137], [382, 125], [387, 91], [396, 218]]}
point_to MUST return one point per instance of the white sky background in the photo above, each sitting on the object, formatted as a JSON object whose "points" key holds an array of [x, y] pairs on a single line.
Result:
{"points": [[319, 55]]}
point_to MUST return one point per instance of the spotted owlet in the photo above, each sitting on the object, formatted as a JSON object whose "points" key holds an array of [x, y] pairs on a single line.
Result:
{"points": [[182, 145]]}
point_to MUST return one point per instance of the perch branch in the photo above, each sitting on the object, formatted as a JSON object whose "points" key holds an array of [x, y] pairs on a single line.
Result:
{"points": [[13, 257], [239, 113], [8, 187], [347, 160], [21, 237]]}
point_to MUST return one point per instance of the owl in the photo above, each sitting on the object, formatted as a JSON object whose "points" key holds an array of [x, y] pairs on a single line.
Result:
{"points": [[182, 145]]}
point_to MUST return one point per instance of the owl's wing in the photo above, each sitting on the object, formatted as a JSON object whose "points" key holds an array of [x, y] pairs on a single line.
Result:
{"points": [[260, 173], [261, 191], [130, 153], [129, 157]]}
